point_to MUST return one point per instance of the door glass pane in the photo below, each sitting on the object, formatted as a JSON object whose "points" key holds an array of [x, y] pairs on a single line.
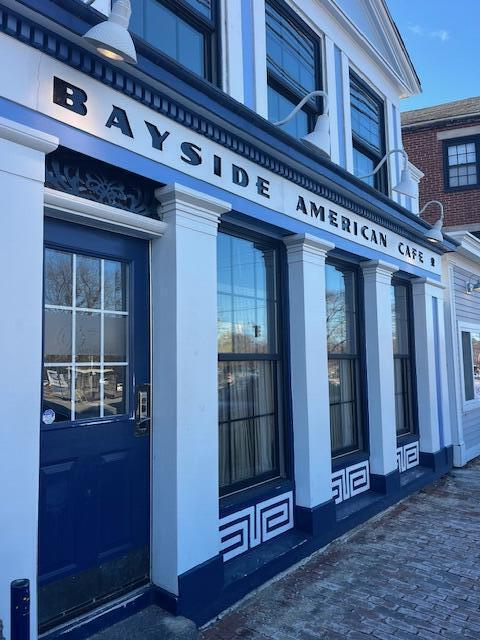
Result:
{"points": [[115, 294], [87, 392], [476, 363], [57, 392], [58, 335], [115, 338], [467, 366], [114, 380], [85, 384], [58, 278], [87, 336], [87, 275]]}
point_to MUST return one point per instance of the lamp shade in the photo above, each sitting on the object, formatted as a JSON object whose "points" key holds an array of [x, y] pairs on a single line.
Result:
{"points": [[407, 184], [320, 136], [435, 233], [111, 37]]}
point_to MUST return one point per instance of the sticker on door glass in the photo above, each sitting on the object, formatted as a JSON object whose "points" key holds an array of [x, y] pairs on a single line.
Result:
{"points": [[48, 416]]}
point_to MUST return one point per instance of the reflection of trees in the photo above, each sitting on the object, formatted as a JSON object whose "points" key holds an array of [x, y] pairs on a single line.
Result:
{"points": [[336, 321], [88, 282], [58, 278]]}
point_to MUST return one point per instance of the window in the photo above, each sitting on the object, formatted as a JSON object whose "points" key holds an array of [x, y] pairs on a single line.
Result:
{"points": [[249, 388], [470, 344], [343, 359], [368, 133], [85, 336], [293, 59], [401, 323], [462, 164], [182, 29]]}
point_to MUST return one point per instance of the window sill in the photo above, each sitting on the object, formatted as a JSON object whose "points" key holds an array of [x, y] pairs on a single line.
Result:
{"points": [[247, 497], [407, 438], [349, 459]]}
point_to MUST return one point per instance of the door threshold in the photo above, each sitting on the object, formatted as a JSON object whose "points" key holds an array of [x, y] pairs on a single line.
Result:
{"points": [[105, 615]]}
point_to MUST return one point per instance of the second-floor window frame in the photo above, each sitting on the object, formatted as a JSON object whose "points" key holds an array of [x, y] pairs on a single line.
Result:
{"points": [[380, 179], [209, 28], [455, 142], [281, 85]]}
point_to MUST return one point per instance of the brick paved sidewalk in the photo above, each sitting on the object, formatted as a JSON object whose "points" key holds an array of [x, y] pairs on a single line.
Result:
{"points": [[413, 572]]}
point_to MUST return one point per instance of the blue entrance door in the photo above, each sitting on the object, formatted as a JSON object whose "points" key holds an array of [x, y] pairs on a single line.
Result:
{"points": [[94, 450]]}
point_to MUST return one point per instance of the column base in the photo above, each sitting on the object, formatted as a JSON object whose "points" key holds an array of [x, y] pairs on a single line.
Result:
{"points": [[197, 589], [316, 520], [441, 460], [387, 484]]}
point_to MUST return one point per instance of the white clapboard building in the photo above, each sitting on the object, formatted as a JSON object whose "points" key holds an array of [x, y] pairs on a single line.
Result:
{"points": [[222, 334]]}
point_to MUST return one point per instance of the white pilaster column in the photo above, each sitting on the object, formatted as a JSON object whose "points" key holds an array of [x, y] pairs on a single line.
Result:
{"points": [[22, 176], [184, 387], [309, 374], [377, 276], [431, 368]]}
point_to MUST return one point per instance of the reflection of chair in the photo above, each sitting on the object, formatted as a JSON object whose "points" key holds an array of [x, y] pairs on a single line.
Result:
{"points": [[58, 384]]}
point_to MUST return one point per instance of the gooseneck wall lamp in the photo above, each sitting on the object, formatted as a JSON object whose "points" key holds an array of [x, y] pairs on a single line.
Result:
{"points": [[435, 233], [111, 37], [407, 184], [320, 136]]}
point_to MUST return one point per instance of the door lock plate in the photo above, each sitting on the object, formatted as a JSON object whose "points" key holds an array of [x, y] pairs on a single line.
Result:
{"points": [[142, 409]]}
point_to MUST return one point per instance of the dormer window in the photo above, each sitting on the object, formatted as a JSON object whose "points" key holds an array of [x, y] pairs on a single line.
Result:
{"points": [[368, 133], [184, 30], [462, 160], [293, 64]]}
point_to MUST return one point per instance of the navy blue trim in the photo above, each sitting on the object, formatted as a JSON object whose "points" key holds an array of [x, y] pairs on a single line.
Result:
{"points": [[349, 459], [337, 185], [104, 617], [199, 586], [253, 495], [439, 461], [316, 520], [387, 484]]}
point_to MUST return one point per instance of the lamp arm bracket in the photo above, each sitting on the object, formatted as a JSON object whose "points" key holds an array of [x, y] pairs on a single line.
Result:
{"points": [[383, 160], [296, 109], [442, 216]]}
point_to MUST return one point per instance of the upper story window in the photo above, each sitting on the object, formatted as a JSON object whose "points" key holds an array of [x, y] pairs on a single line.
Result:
{"points": [[368, 133], [462, 158], [293, 63], [182, 29]]}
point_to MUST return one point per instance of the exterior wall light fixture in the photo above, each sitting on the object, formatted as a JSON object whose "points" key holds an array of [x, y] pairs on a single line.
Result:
{"points": [[407, 185], [320, 136], [434, 234], [111, 37], [473, 286]]}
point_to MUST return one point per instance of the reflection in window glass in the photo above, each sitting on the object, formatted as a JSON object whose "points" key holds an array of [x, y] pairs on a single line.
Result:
{"points": [[57, 391], [85, 352], [58, 335], [362, 166], [279, 107], [401, 358], [58, 278], [169, 33], [343, 360], [471, 364], [249, 429], [462, 163]]}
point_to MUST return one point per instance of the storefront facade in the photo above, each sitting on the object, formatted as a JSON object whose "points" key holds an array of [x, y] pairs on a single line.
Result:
{"points": [[230, 349]]}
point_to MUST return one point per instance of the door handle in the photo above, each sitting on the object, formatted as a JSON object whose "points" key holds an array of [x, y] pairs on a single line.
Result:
{"points": [[142, 409]]}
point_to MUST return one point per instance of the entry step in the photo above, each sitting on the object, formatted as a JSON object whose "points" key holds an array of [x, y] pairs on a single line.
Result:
{"points": [[151, 623]]}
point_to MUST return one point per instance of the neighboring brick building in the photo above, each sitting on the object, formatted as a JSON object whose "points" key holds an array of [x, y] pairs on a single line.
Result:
{"points": [[429, 135], [444, 143]]}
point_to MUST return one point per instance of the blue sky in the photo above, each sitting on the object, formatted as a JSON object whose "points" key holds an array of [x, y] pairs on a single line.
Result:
{"points": [[443, 39]]}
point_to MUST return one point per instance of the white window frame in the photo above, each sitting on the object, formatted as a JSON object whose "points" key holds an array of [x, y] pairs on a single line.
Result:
{"points": [[468, 405]]}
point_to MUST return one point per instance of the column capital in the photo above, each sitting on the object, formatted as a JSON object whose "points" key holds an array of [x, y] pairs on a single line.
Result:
{"points": [[307, 247], [192, 209], [419, 284], [378, 269]]}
